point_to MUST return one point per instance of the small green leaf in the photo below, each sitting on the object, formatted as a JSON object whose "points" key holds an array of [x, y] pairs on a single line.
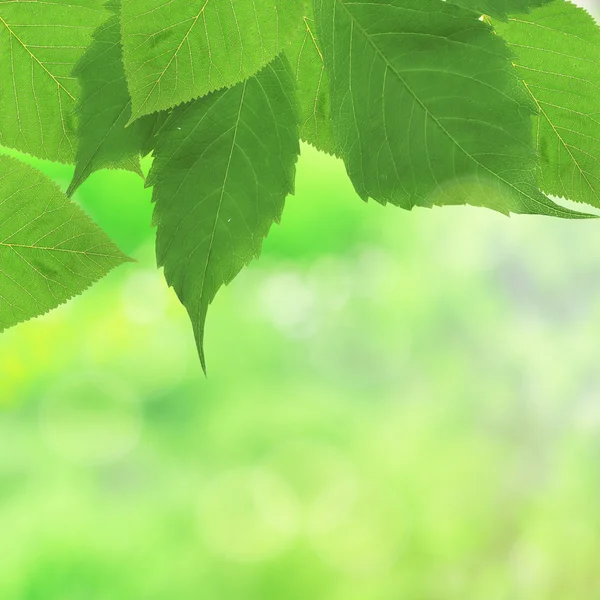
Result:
{"points": [[427, 107], [558, 48], [312, 86], [178, 50], [40, 43], [105, 109], [223, 167], [500, 9], [50, 250]]}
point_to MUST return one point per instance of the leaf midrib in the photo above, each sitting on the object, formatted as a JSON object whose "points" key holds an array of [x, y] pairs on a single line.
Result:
{"points": [[390, 66], [225, 178], [561, 140], [159, 78], [54, 249], [37, 60]]}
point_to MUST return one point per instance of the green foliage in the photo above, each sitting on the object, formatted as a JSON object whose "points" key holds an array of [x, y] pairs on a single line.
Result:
{"points": [[40, 44], [466, 120], [179, 50], [223, 168], [105, 109], [501, 8], [426, 102], [312, 86], [558, 49], [50, 250]]}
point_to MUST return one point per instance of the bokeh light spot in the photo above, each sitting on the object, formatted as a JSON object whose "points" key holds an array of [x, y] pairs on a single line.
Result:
{"points": [[144, 296], [92, 418], [247, 515]]}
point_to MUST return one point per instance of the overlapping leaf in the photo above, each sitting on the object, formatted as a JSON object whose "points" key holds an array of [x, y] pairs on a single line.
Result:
{"points": [[223, 167], [40, 43], [501, 8], [427, 107], [50, 250], [178, 50], [105, 109], [157, 120], [558, 48], [312, 86]]}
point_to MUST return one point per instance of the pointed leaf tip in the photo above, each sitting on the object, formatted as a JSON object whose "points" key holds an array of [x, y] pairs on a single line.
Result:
{"points": [[224, 165], [50, 250]]}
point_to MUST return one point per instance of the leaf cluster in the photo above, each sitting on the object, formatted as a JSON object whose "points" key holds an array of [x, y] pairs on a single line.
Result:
{"points": [[491, 103]]}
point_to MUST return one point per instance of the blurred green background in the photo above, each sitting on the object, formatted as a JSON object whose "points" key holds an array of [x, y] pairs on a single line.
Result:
{"points": [[400, 406]]}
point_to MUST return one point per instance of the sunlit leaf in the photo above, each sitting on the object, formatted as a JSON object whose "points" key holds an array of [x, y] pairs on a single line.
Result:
{"points": [[501, 8], [40, 43], [427, 107], [558, 49], [312, 86], [178, 50], [50, 250]]}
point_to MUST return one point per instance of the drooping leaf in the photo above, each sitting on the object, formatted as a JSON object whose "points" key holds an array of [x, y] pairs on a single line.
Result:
{"points": [[558, 48], [105, 109], [500, 9], [427, 107], [178, 50], [40, 43], [50, 250], [223, 167], [312, 86]]}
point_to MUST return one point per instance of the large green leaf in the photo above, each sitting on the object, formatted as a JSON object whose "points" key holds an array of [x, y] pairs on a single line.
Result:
{"points": [[178, 50], [105, 109], [501, 8], [558, 48], [223, 167], [427, 107], [40, 43], [312, 86], [50, 250]]}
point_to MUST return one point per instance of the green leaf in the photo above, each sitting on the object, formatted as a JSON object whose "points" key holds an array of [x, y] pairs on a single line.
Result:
{"points": [[427, 107], [50, 250], [558, 48], [500, 9], [40, 43], [223, 167], [105, 109], [312, 86], [158, 120], [178, 50]]}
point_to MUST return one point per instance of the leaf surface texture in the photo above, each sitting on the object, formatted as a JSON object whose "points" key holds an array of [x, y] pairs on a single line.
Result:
{"points": [[427, 107], [40, 43], [501, 8], [178, 50], [312, 86], [223, 167], [50, 250], [105, 109], [558, 49]]}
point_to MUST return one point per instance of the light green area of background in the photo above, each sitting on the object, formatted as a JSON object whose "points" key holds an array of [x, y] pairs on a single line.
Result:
{"points": [[399, 405]]}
